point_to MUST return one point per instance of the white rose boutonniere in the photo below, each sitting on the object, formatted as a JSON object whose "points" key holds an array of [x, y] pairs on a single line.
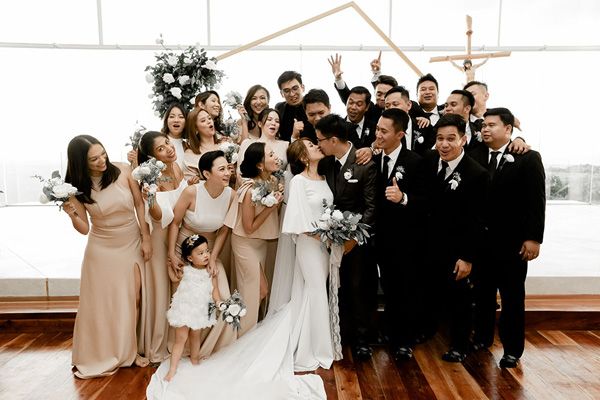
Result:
{"points": [[478, 136], [399, 175], [509, 158], [419, 137], [455, 181], [348, 176]]}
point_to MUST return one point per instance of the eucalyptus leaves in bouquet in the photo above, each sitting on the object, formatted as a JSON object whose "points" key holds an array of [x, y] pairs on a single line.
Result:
{"points": [[134, 140], [179, 77], [335, 226], [231, 151], [55, 189], [149, 175]]}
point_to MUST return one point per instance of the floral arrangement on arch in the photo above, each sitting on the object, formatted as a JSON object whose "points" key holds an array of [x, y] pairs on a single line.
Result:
{"points": [[179, 77]]}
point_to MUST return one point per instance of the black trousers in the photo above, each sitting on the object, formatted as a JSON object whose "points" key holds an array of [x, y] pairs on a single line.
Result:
{"points": [[506, 274], [358, 295], [401, 284]]}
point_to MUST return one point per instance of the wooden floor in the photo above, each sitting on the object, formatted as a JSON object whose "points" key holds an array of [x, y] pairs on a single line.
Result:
{"points": [[557, 365]]}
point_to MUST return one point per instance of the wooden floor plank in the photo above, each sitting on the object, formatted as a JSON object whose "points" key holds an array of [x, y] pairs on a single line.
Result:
{"points": [[389, 377], [328, 377], [368, 380], [346, 380], [558, 338]]}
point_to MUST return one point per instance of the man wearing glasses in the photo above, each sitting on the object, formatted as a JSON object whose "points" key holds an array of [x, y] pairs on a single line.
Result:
{"points": [[294, 123]]}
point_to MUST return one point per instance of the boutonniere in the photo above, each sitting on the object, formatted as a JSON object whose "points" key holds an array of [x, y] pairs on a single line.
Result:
{"points": [[509, 158], [478, 136], [399, 172], [367, 131], [455, 181], [348, 176], [419, 137]]}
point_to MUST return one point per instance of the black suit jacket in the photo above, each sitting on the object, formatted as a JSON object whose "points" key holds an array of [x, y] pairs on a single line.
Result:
{"points": [[367, 136], [373, 112], [356, 194], [288, 114], [428, 136], [456, 215], [402, 227], [516, 207]]}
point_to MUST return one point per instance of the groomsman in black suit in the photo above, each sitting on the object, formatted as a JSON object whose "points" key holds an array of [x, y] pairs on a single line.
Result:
{"points": [[427, 91], [362, 131], [316, 105], [353, 187], [294, 123], [479, 90], [419, 134], [400, 229], [515, 230], [458, 193], [461, 102]]}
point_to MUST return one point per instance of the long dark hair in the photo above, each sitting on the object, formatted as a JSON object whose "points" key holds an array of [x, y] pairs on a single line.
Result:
{"points": [[146, 149], [165, 128], [248, 99], [255, 154], [264, 114], [77, 167]]}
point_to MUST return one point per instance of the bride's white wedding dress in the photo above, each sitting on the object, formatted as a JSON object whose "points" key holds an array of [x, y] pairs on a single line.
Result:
{"points": [[296, 334]]}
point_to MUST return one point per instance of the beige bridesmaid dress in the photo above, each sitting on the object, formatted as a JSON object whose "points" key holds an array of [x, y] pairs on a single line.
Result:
{"points": [[105, 335], [250, 254]]}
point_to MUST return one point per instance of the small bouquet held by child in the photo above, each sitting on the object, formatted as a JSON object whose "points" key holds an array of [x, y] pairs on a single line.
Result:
{"points": [[336, 227], [55, 189], [148, 174], [233, 309]]}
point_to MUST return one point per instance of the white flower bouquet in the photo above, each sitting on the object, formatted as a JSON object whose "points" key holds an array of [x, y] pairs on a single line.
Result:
{"points": [[335, 226], [134, 140], [231, 151], [230, 128], [148, 174], [233, 309], [55, 189], [233, 99], [262, 193], [180, 77]]}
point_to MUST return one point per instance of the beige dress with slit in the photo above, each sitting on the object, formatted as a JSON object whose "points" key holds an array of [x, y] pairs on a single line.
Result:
{"points": [[105, 335], [250, 254]]}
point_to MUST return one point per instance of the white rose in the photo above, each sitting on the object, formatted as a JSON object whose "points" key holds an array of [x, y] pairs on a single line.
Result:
{"points": [[453, 184], [243, 312], [149, 78], [234, 158], [176, 92], [223, 307], [210, 64], [234, 309], [229, 319], [152, 188], [160, 165], [44, 199], [326, 216], [184, 80], [323, 225], [168, 78], [187, 61], [509, 158], [160, 97], [145, 171], [347, 175], [399, 176], [159, 40], [269, 200], [337, 215], [172, 60], [256, 194], [420, 139], [156, 113], [62, 191]]}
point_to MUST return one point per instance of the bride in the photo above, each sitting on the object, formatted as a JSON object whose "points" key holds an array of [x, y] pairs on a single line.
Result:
{"points": [[296, 334]]}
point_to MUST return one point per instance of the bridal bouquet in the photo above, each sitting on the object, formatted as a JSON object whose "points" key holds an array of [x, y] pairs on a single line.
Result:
{"points": [[231, 151], [233, 309], [262, 193], [134, 140], [230, 128], [55, 189], [233, 99], [148, 174], [179, 77], [336, 227]]}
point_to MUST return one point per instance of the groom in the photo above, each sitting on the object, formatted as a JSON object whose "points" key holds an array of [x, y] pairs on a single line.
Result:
{"points": [[353, 186]]}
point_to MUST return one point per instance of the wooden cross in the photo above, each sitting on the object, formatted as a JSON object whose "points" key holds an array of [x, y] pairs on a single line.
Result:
{"points": [[468, 68]]}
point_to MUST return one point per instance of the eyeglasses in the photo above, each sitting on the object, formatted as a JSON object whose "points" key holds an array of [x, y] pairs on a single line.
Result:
{"points": [[320, 140], [288, 91]]}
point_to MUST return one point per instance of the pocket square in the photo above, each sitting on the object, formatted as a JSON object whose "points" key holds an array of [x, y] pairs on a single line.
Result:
{"points": [[352, 181]]}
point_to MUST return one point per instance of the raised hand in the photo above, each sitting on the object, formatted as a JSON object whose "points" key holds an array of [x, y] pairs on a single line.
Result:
{"points": [[336, 66], [519, 146], [132, 158], [298, 127], [243, 113], [423, 122], [363, 155], [376, 63], [462, 269], [393, 193]]}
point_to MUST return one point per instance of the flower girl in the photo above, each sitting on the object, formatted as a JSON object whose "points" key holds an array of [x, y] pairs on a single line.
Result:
{"points": [[193, 304]]}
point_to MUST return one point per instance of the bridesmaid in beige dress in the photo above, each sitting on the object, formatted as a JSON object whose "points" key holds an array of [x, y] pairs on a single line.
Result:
{"points": [[253, 226], [201, 209], [256, 100], [200, 138], [159, 216], [105, 335]]}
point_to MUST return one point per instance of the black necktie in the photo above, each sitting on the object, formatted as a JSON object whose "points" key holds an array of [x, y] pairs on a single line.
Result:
{"points": [[336, 168], [386, 167], [493, 164], [441, 175]]}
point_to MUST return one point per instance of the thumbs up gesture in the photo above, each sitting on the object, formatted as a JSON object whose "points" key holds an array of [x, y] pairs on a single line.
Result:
{"points": [[298, 127], [393, 192]]}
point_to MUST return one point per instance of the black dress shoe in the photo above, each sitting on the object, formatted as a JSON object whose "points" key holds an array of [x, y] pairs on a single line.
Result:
{"points": [[362, 352], [403, 353], [509, 361], [454, 356]]}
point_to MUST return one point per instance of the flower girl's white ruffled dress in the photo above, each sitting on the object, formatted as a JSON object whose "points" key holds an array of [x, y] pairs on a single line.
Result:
{"points": [[189, 306]]}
